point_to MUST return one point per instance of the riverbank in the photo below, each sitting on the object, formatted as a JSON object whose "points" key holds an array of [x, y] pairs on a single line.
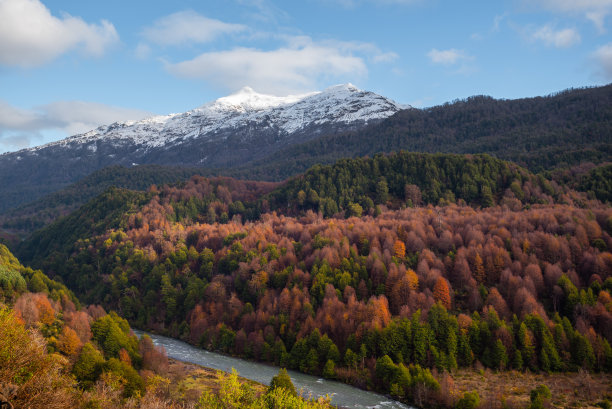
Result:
{"points": [[343, 395], [188, 381], [568, 390]]}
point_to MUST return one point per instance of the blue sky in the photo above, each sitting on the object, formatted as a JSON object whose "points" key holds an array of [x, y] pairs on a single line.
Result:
{"points": [[69, 66]]}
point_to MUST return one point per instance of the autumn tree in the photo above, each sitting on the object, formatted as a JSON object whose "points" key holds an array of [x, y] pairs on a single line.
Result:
{"points": [[399, 249], [69, 342], [479, 271], [441, 292]]}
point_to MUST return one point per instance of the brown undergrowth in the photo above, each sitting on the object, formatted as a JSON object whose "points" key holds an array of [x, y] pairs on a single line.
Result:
{"points": [[188, 381], [568, 390]]}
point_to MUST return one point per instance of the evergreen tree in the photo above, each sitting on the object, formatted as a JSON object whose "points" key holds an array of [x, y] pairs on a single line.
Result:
{"points": [[282, 380]]}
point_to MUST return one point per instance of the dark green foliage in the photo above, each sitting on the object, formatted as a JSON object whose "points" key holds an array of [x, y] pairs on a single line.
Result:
{"points": [[11, 283], [355, 185], [35, 215], [598, 182], [112, 333], [604, 404], [16, 279], [133, 382], [88, 366], [595, 180], [282, 380], [539, 133], [538, 396], [103, 213], [469, 400]]}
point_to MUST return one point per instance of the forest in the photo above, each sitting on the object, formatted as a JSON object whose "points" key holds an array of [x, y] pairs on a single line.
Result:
{"points": [[32, 216], [57, 353], [544, 133], [564, 136], [469, 262]]}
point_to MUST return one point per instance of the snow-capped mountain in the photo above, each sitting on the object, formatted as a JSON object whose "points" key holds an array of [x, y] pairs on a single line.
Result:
{"points": [[342, 104], [228, 132]]}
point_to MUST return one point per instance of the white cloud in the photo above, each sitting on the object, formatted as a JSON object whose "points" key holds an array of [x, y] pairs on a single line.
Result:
{"points": [[30, 35], [81, 116], [558, 38], [497, 20], [142, 51], [603, 59], [299, 66], [18, 127], [369, 50], [188, 27], [594, 10], [264, 11], [447, 57], [575, 5], [385, 57]]}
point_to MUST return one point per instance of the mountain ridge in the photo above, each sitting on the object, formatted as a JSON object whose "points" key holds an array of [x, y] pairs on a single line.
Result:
{"points": [[244, 105], [224, 133]]}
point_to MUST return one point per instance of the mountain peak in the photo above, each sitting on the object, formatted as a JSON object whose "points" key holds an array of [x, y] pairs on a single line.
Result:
{"points": [[247, 99], [247, 113], [343, 87]]}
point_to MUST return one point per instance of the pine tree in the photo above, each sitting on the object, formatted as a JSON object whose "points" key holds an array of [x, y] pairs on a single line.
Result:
{"points": [[499, 358], [282, 380]]}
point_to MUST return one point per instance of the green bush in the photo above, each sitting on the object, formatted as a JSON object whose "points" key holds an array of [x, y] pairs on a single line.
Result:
{"points": [[282, 380], [469, 400]]}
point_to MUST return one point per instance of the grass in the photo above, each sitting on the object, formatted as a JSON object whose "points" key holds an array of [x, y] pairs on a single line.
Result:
{"points": [[569, 390], [188, 381]]}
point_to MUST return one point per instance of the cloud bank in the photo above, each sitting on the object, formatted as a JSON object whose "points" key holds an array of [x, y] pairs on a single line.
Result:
{"points": [[447, 57], [556, 38], [300, 65], [31, 36], [188, 27], [603, 60], [20, 128]]}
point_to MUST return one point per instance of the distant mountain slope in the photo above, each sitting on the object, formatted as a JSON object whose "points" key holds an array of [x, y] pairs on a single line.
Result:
{"points": [[34, 215], [539, 133], [224, 133]]}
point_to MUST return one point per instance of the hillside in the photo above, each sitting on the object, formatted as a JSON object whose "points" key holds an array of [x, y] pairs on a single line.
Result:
{"points": [[431, 177], [349, 187], [541, 133], [34, 215], [378, 301], [227, 132], [412, 179], [595, 180], [57, 354], [560, 134]]}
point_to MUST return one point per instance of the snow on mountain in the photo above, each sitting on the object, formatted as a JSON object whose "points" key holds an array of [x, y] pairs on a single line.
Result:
{"points": [[340, 104]]}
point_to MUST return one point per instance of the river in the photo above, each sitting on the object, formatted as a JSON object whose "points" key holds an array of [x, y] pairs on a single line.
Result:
{"points": [[342, 395]]}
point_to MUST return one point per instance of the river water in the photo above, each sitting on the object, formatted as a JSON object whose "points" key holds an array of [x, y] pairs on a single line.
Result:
{"points": [[342, 395]]}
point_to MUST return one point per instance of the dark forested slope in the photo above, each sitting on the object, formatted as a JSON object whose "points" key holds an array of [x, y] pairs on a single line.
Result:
{"points": [[539, 133], [411, 179], [32, 216]]}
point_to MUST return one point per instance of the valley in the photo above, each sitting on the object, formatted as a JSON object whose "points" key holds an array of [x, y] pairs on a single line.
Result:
{"points": [[429, 279]]}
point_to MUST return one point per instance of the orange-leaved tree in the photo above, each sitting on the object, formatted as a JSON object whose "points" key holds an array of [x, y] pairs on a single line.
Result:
{"points": [[441, 292]]}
